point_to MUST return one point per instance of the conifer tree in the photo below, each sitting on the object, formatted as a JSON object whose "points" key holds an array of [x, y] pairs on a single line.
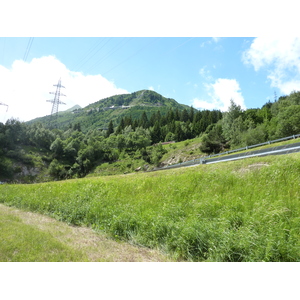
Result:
{"points": [[110, 129], [156, 133]]}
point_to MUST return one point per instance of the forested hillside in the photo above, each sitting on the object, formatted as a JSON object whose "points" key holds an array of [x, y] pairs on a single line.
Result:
{"points": [[39, 153], [98, 115]]}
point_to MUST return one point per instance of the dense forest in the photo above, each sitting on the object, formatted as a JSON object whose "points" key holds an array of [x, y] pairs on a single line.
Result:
{"points": [[72, 152]]}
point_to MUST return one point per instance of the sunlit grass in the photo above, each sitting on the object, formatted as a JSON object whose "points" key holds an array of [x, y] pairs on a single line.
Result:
{"points": [[245, 210], [21, 242]]}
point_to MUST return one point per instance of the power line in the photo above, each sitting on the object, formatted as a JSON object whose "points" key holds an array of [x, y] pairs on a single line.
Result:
{"points": [[28, 48], [146, 46], [163, 54], [112, 51], [180, 45], [90, 51]]}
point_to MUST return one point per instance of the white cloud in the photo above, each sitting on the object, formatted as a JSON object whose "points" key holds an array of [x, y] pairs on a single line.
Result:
{"points": [[281, 58], [201, 104], [25, 88], [220, 93], [216, 39], [151, 88], [205, 73], [209, 42]]}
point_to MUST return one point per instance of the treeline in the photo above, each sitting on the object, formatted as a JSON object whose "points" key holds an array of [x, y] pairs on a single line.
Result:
{"points": [[175, 125], [71, 153], [240, 128]]}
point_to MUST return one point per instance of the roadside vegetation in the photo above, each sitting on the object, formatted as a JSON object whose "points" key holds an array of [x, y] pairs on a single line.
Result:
{"points": [[32, 237], [239, 211]]}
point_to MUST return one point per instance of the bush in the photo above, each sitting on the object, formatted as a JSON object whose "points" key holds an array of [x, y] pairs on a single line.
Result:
{"points": [[6, 168], [208, 146]]}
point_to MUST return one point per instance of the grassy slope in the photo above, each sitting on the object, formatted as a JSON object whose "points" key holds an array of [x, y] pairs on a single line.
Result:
{"points": [[237, 211], [23, 242], [30, 237]]}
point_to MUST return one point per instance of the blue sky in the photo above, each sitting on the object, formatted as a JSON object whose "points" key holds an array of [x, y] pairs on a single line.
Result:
{"points": [[203, 72], [199, 54]]}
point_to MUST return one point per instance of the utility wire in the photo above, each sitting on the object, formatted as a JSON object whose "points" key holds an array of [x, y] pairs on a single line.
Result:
{"points": [[163, 54], [80, 64], [98, 50], [112, 51], [180, 45], [134, 54], [28, 48]]}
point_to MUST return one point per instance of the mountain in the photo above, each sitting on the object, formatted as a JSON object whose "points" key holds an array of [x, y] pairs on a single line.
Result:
{"points": [[75, 107], [98, 115]]}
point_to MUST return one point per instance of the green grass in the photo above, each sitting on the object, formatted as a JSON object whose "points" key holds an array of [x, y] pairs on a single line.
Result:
{"points": [[246, 210], [126, 165], [21, 242]]}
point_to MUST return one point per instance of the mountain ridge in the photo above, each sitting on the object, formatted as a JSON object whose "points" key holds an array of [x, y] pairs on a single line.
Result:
{"points": [[98, 114]]}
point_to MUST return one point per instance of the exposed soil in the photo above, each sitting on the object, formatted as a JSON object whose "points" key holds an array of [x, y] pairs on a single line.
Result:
{"points": [[253, 167]]}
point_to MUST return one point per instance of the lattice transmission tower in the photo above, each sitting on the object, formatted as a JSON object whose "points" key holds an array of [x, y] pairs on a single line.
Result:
{"points": [[56, 101]]}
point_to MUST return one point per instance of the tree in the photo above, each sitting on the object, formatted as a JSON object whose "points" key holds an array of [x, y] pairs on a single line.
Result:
{"points": [[157, 153], [213, 140], [57, 147], [144, 120], [234, 111], [110, 129], [57, 170], [192, 114], [156, 133], [120, 127], [288, 121], [255, 135], [184, 116], [77, 126], [179, 134]]}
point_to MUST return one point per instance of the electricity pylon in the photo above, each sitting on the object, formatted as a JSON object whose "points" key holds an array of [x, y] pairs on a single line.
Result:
{"points": [[5, 105], [56, 101]]}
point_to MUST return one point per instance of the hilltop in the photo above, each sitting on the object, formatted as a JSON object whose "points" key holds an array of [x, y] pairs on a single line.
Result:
{"points": [[98, 115]]}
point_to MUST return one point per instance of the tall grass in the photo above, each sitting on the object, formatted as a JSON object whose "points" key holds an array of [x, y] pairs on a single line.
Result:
{"points": [[236, 211]]}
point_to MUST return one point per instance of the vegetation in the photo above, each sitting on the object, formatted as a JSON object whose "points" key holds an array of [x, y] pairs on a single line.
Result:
{"points": [[21, 242], [242, 211], [99, 114], [240, 128], [32, 237], [239, 211], [71, 153], [32, 152]]}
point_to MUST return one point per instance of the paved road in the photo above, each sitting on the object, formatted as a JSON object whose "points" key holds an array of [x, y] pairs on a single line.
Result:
{"points": [[291, 148]]}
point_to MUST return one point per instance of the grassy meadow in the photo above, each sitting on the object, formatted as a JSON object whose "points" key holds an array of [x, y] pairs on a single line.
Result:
{"points": [[21, 242], [247, 210]]}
